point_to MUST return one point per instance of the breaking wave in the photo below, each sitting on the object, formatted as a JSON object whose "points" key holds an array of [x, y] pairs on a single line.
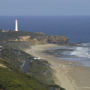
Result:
{"points": [[83, 51]]}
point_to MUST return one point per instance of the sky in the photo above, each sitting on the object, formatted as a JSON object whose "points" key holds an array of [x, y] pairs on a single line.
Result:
{"points": [[44, 7]]}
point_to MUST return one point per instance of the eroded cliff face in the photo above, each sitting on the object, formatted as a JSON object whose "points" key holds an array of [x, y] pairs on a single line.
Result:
{"points": [[31, 37], [38, 68], [24, 38], [35, 67], [41, 39], [11, 52], [57, 39]]}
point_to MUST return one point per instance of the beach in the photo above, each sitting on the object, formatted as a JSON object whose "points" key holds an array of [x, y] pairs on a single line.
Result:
{"points": [[66, 73]]}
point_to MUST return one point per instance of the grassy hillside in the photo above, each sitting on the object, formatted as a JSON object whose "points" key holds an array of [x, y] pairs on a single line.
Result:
{"points": [[40, 69], [15, 56], [5, 36], [19, 70], [13, 79]]}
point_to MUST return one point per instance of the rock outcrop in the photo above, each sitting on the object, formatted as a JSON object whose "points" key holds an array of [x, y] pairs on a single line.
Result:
{"points": [[57, 39], [33, 38], [24, 38]]}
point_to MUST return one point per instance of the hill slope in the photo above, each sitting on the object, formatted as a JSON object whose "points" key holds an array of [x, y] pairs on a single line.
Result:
{"points": [[13, 79]]}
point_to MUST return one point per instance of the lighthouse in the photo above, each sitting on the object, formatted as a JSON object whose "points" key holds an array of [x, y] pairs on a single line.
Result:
{"points": [[16, 25]]}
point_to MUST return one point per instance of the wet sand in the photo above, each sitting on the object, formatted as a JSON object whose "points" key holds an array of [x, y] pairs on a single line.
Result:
{"points": [[66, 73]]}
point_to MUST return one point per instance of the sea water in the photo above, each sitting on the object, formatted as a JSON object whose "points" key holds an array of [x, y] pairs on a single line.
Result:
{"points": [[76, 28], [79, 53]]}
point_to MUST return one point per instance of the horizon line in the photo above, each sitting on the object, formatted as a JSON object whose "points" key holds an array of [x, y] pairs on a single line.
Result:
{"points": [[38, 15]]}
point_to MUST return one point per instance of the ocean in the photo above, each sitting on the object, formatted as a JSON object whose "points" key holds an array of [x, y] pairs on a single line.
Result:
{"points": [[77, 53], [76, 28]]}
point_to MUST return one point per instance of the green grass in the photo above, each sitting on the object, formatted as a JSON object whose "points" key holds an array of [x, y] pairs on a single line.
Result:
{"points": [[12, 79]]}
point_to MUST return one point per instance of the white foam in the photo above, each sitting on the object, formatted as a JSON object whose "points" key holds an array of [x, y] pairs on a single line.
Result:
{"points": [[81, 52], [86, 44]]}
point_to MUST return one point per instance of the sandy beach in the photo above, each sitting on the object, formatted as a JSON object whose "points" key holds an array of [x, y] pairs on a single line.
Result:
{"points": [[66, 74]]}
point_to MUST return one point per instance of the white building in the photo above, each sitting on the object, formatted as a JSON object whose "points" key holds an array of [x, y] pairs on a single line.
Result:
{"points": [[16, 25]]}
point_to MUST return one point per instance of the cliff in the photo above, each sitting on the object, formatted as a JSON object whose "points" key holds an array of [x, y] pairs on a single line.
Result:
{"points": [[13, 79], [24, 68], [58, 39], [33, 38], [19, 59]]}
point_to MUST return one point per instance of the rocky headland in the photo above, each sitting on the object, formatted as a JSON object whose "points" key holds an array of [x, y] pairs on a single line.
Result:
{"points": [[13, 57], [24, 60]]}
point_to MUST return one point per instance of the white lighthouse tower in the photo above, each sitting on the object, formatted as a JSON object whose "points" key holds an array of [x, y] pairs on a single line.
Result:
{"points": [[16, 25]]}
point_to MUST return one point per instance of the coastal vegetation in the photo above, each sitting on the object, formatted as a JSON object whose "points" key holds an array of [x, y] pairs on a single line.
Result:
{"points": [[22, 71], [31, 37], [38, 72], [40, 69], [13, 79]]}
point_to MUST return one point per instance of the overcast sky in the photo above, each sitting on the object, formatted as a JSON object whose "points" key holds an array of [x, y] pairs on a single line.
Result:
{"points": [[44, 7]]}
